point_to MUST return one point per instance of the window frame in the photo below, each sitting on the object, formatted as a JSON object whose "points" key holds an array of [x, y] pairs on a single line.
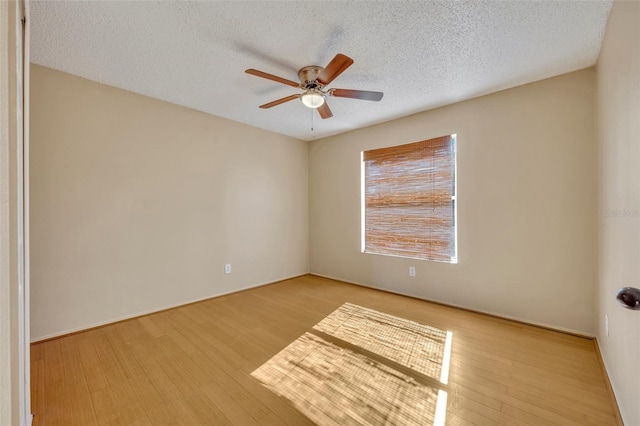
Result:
{"points": [[453, 259]]}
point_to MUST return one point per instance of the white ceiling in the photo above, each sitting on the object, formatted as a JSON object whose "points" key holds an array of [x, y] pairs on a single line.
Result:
{"points": [[420, 54]]}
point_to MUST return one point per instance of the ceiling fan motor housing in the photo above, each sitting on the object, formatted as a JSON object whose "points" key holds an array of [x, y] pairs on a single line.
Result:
{"points": [[308, 77]]}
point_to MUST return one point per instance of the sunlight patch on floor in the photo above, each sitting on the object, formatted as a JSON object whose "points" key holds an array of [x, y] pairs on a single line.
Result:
{"points": [[359, 366]]}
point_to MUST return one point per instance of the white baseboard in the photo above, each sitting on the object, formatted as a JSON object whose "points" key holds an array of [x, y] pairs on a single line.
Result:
{"points": [[152, 311], [468, 308], [609, 383]]}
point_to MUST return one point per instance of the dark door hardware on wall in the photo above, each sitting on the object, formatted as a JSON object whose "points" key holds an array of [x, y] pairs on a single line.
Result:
{"points": [[629, 297]]}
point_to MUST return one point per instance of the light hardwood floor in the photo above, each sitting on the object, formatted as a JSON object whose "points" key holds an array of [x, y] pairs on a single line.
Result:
{"points": [[192, 365]]}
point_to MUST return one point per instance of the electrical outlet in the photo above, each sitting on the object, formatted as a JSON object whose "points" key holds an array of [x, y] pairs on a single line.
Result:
{"points": [[606, 324], [227, 268], [412, 271]]}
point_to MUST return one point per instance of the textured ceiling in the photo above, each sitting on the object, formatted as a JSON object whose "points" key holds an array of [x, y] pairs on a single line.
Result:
{"points": [[420, 54]]}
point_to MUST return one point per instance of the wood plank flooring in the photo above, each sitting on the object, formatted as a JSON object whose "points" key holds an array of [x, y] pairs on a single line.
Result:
{"points": [[192, 365]]}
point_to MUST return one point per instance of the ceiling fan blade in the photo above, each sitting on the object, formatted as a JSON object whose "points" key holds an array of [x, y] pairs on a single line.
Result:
{"points": [[279, 101], [356, 94], [337, 65], [324, 111], [272, 77]]}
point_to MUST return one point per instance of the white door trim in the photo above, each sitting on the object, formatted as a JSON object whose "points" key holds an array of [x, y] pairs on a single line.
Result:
{"points": [[24, 335]]}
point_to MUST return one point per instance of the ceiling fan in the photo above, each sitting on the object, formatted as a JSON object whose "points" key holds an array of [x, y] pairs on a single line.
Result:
{"points": [[313, 80]]}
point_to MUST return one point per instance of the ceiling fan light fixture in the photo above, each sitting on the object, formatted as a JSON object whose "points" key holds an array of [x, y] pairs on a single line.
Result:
{"points": [[312, 99]]}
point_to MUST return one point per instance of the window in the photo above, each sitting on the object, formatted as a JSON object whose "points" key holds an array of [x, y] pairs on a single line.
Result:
{"points": [[409, 200]]}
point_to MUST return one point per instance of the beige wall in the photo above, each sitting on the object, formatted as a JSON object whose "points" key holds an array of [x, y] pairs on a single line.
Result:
{"points": [[618, 97], [137, 204], [526, 204]]}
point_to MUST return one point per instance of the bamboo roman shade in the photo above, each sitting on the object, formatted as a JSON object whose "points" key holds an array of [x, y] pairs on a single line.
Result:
{"points": [[409, 200]]}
